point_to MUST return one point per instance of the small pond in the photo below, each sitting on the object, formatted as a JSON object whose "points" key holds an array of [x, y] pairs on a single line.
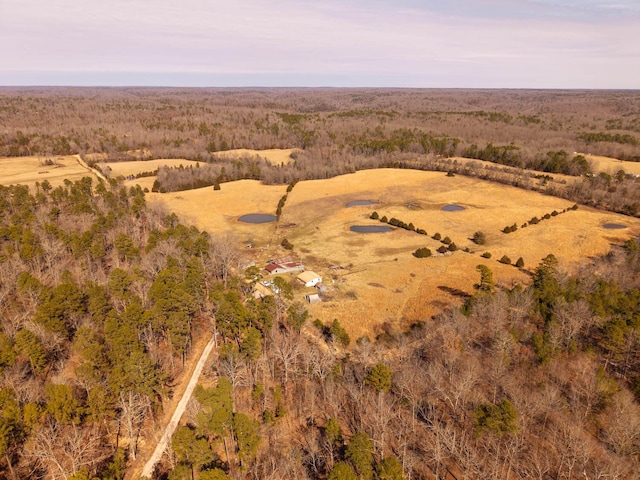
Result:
{"points": [[370, 228], [614, 226], [452, 207], [357, 203], [257, 218]]}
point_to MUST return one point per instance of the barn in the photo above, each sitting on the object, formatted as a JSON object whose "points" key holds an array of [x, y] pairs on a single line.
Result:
{"points": [[289, 267]]}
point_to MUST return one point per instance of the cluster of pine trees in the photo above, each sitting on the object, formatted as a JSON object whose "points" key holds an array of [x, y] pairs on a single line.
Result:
{"points": [[101, 297]]}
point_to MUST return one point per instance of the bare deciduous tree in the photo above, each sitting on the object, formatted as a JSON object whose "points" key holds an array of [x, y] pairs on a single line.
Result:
{"points": [[64, 450], [133, 409]]}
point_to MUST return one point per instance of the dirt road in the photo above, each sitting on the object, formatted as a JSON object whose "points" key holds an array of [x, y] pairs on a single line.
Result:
{"points": [[96, 172], [149, 467]]}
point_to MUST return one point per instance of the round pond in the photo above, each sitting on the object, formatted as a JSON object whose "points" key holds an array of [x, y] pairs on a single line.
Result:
{"points": [[614, 226], [452, 207], [370, 228], [257, 218], [357, 203]]}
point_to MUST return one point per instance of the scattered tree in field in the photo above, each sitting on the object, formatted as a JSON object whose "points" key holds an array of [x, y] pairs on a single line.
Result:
{"points": [[486, 284], [520, 262], [374, 216], [479, 238], [506, 260], [422, 252], [339, 334], [486, 255], [286, 244]]}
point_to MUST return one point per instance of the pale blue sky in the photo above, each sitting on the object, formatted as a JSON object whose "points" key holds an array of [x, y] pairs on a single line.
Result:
{"points": [[403, 43]]}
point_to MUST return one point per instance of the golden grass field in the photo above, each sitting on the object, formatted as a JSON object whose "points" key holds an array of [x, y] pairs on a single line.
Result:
{"points": [[217, 211], [275, 156], [381, 281], [132, 168], [29, 170], [612, 165]]}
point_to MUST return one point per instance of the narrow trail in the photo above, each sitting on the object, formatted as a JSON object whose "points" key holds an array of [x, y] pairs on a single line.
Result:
{"points": [[149, 467], [96, 172]]}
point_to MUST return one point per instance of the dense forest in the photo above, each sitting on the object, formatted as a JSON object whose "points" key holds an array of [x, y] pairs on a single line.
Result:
{"points": [[104, 296], [517, 127]]}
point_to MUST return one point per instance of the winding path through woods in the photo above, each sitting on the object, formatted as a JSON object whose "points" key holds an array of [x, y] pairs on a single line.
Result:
{"points": [[149, 467]]}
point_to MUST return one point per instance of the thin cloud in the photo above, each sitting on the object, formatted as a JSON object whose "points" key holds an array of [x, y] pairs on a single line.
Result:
{"points": [[515, 43]]}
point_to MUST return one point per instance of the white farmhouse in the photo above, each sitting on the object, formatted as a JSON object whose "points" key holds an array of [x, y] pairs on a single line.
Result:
{"points": [[309, 278]]}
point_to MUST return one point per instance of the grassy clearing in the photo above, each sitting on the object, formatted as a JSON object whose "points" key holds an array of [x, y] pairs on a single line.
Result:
{"points": [[218, 211], [612, 165], [392, 286], [382, 282], [29, 170], [275, 156], [133, 168]]}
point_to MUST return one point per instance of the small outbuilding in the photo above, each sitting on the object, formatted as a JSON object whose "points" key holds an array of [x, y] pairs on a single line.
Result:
{"points": [[313, 298], [309, 278]]}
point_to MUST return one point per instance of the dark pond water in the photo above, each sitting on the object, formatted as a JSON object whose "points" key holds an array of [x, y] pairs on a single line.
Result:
{"points": [[452, 207], [614, 226], [370, 228], [257, 218], [357, 203]]}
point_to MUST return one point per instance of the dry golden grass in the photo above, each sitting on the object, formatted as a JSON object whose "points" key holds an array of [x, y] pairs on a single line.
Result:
{"points": [[382, 281], [612, 165], [275, 156], [217, 211], [133, 168], [29, 170], [393, 286]]}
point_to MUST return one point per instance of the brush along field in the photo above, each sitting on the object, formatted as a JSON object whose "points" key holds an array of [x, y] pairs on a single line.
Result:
{"points": [[381, 282], [29, 170]]}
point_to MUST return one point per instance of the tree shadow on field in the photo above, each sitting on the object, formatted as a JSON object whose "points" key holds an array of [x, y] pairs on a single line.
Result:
{"points": [[454, 292]]}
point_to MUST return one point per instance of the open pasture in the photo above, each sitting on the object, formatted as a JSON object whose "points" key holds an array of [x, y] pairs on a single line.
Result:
{"points": [[612, 165], [275, 156], [140, 166], [381, 281], [29, 170], [217, 211]]}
